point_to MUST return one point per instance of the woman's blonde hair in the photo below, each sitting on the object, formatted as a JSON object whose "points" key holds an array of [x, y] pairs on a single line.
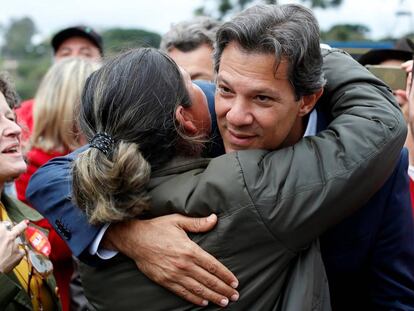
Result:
{"points": [[56, 102]]}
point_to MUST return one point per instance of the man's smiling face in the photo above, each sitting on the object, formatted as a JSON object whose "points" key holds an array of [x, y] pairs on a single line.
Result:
{"points": [[256, 107]]}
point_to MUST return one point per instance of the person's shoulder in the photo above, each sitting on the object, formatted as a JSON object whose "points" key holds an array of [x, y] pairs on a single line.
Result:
{"points": [[25, 107], [248, 160], [19, 211], [60, 159], [398, 181], [335, 57], [38, 157], [254, 166], [239, 169], [327, 51], [392, 198]]}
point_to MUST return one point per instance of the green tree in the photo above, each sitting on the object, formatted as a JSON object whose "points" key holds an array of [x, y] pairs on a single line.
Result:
{"points": [[33, 60], [223, 8], [409, 35], [18, 38], [119, 39], [346, 32], [25, 61], [29, 74]]}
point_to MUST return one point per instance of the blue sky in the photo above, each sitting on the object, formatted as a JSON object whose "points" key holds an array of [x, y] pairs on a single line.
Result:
{"points": [[157, 15]]}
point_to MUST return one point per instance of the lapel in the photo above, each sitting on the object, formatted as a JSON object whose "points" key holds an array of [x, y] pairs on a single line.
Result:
{"points": [[21, 298], [10, 289], [12, 292], [19, 211]]}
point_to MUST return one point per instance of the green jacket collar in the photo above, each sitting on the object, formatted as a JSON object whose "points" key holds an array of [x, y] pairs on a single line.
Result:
{"points": [[19, 211]]}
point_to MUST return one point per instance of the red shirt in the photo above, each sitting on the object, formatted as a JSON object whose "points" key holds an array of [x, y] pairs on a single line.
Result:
{"points": [[24, 116], [412, 193], [61, 256]]}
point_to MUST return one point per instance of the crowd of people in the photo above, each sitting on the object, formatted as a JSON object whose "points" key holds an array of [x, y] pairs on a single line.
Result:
{"points": [[241, 165]]}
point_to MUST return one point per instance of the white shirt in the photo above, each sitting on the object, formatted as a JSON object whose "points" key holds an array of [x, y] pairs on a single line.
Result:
{"points": [[411, 171]]}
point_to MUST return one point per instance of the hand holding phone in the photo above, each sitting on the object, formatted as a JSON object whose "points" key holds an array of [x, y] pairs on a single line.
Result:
{"points": [[394, 77]]}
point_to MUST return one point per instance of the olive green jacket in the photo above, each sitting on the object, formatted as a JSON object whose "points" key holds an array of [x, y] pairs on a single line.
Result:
{"points": [[12, 295], [272, 206]]}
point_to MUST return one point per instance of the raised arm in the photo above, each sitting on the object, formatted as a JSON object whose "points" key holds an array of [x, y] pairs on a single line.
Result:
{"points": [[322, 179], [182, 267]]}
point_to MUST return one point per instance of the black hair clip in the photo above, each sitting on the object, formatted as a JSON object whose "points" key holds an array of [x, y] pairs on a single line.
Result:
{"points": [[103, 142]]}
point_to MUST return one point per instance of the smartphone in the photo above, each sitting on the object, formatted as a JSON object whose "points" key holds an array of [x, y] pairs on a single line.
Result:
{"points": [[411, 45], [394, 77]]}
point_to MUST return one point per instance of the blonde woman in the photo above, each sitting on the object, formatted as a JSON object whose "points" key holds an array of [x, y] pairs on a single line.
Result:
{"points": [[55, 134]]}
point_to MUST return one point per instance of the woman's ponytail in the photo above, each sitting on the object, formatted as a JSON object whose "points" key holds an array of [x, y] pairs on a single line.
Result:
{"points": [[111, 189]]}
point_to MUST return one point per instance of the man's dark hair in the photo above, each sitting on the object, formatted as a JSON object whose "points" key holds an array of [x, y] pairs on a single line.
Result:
{"points": [[189, 35], [288, 31]]}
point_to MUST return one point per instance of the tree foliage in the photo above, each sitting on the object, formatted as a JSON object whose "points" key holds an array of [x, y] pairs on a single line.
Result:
{"points": [[119, 39], [18, 38], [28, 75], [222, 8], [323, 4], [346, 32], [28, 62]]}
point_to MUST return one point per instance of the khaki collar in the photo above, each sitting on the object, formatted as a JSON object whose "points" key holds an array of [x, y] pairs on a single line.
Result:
{"points": [[18, 211]]}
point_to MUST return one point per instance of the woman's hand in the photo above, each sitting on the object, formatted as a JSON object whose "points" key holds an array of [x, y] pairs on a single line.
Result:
{"points": [[10, 253]]}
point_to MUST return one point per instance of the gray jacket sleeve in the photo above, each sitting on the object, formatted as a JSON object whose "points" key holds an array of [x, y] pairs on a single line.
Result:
{"points": [[302, 190]]}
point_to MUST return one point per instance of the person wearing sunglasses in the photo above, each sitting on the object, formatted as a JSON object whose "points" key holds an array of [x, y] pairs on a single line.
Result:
{"points": [[26, 281]]}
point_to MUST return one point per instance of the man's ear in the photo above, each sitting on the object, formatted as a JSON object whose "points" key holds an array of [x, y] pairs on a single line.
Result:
{"points": [[185, 119], [308, 102]]}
